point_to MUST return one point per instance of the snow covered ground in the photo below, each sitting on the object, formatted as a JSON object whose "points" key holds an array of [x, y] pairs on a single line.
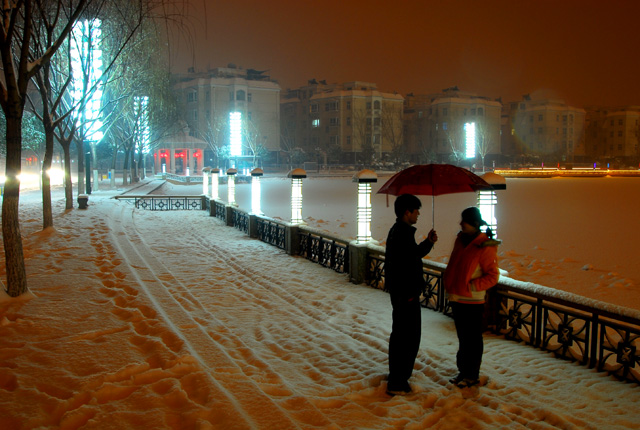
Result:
{"points": [[173, 320]]}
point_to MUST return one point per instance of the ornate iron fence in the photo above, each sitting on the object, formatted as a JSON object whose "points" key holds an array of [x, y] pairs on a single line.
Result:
{"points": [[240, 220], [598, 338], [186, 179], [271, 232], [221, 210], [326, 251], [432, 296], [166, 203], [606, 340]]}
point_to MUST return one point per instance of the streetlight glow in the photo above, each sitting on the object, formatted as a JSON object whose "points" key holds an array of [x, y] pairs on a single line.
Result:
{"points": [[235, 134], [364, 178], [215, 173], [231, 186], [255, 191], [296, 176], [470, 139]]}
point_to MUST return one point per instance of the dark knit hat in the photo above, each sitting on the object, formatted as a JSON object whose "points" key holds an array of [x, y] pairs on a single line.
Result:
{"points": [[471, 216]]}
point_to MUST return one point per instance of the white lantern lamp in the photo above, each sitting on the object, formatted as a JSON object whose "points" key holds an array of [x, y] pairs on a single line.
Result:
{"points": [[205, 180], [296, 175], [231, 186], [256, 174], [364, 178], [215, 174], [487, 199]]}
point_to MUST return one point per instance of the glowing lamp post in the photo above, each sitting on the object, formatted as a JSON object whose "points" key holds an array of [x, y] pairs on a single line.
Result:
{"points": [[255, 190], [296, 175], [231, 186], [215, 173], [487, 199], [364, 178], [205, 180]]}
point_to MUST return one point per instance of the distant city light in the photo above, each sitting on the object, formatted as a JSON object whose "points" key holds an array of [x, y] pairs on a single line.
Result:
{"points": [[470, 139], [86, 62], [235, 140], [56, 176], [141, 113]]}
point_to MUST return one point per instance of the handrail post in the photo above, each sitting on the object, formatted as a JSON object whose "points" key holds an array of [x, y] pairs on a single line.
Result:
{"points": [[229, 210], [357, 262], [595, 341], [253, 225], [292, 239]]}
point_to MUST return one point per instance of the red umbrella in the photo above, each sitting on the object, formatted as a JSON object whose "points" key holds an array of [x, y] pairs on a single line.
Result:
{"points": [[433, 180]]}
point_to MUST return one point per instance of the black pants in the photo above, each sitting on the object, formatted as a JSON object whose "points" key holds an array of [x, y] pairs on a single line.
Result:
{"points": [[405, 339], [468, 321]]}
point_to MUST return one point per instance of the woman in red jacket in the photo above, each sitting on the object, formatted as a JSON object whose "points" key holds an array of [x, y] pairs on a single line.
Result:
{"points": [[471, 271]]}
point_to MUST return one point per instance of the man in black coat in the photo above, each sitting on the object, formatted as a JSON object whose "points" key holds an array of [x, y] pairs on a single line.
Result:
{"points": [[405, 281]]}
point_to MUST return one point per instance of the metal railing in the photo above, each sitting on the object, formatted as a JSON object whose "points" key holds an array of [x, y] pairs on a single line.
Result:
{"points": [[573, 328], [182, 178], [328, 251], [271, 232], [607, 340], [589, 334], [240, 220], [166, 203]]}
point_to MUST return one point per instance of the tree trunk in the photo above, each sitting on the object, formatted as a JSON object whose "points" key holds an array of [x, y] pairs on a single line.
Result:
{"points": [[80, 147], [47, 216], [14, 256], [68, 184], [140, 165], [125, 167]]}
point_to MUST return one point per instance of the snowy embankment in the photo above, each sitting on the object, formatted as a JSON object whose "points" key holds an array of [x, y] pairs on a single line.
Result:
{"points": [[173, 320]]}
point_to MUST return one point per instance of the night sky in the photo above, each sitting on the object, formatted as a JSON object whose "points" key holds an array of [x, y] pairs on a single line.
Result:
{"points": [[583, 52]]}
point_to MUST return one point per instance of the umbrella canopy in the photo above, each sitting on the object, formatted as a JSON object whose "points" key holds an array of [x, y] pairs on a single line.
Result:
{"points": [[433, 180]]}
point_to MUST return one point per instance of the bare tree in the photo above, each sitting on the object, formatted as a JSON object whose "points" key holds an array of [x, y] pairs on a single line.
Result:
{"points": [[21, 62], [215, 134], [63, 111], [485, 140], [361, 137], [454, 135], [295, 154], [393, 132], [18, 68], [253, 140]]}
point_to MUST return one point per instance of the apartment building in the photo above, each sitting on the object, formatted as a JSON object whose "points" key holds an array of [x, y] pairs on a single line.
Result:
{"points": [[543, 131], [232, 107], [612, 133], [352, 122], [452, 126]]}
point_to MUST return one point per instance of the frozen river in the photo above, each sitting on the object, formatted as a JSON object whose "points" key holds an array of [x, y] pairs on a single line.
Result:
{"points": [[577, 234]]}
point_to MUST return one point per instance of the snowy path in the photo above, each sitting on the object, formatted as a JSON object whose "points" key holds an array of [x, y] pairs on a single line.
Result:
{"points": [[174, 320]]}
